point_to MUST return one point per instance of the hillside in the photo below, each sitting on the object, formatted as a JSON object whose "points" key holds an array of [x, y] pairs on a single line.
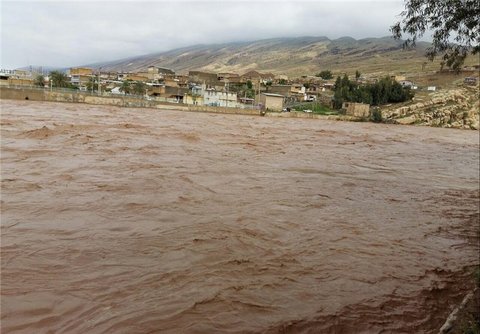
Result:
{"points": [[291, 56]]}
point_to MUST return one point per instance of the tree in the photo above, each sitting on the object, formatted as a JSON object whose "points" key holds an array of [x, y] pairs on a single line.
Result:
{"points": [[325, 75], [39, 81], [384, 91], [125, 87], [454, 23], [92, 85], [357, 74], [249, 84], [59, 79], [139, 88]]}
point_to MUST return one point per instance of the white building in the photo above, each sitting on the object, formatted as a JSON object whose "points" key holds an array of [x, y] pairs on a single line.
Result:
{"points": [[212, 97]]}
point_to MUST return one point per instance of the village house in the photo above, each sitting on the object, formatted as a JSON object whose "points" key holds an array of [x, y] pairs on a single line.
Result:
{"points": [[211, 97], [271, 101], [156, 73], [171, 81], [200, 77], [15, 78], [284, 90], [228, 78], [203, 95], [136, 77], [80, 76], [255, 77]]}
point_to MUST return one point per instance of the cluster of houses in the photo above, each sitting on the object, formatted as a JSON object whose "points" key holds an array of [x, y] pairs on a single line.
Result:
{"points": [[250, 90]]}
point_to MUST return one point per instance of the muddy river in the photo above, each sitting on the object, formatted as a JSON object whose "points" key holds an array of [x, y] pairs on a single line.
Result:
{"points": [[145, 221]]}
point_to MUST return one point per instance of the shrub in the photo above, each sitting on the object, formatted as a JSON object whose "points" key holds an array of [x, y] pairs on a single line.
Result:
{"points": [[377, 116]]}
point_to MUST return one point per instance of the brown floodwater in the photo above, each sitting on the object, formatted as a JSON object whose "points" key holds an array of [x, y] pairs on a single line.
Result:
{"points": [[142, 221]]}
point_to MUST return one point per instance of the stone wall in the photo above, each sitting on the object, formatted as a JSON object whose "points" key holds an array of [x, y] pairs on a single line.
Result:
{"points": [[356, 109]]}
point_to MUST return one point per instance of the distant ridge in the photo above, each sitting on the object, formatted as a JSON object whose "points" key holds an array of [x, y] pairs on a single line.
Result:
{"points": [[294, 56]]}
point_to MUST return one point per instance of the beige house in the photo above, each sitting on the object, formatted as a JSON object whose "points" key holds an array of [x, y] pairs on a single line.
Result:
{"points": [[193, 99], [200, 77], [272, 101], [81, 71], [136, 77], [19, 81]]}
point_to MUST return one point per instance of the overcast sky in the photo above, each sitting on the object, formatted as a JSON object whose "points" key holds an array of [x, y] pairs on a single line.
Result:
{"points": [[68, 33]]}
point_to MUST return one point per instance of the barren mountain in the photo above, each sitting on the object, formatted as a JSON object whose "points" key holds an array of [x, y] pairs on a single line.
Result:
{"points": [[291, 56]]}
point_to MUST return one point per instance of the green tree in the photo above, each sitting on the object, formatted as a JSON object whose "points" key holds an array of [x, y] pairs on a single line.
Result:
{"points": [[326, 75], [139, 88], [59, 79], [39, 81], [357, 74], [384, 91], [456, 31], [92, 84], [282, 82], [249, 84], [126, 87]]}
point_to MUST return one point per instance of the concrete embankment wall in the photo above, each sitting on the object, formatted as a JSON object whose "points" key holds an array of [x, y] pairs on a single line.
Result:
{"points": [[124, 101], [120, 101], [22, 94], [73, 97]]}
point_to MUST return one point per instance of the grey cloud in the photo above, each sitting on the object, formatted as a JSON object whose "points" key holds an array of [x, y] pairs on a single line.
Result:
{"points": [[75, 33]]}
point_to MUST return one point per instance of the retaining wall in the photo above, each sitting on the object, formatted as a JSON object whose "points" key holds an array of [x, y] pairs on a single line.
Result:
{"points": [[125, 101]]}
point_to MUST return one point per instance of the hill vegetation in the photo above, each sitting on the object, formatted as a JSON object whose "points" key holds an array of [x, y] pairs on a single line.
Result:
{"points": [[290, 56]]}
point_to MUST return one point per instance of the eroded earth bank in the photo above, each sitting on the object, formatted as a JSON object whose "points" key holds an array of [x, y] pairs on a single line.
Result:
{"points": [[140, 221]]}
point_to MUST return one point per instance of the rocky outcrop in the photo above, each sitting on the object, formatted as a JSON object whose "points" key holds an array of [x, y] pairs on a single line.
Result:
{"points": [[456, 108]]}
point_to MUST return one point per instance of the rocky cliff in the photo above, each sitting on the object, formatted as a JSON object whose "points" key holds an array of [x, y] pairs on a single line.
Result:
{"points": [[454, 108]]}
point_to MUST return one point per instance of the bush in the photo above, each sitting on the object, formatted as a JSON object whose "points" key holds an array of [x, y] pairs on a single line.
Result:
{"points": [[377, 116], [326, 75]]}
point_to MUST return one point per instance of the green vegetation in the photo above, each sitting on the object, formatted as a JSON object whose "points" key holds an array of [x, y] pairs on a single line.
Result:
{"points": [[384, 91], [448, 20], [92, 85], [139, 88], [133, 87], [326, 75], [126, 87], [59, 79], [39, 81], [377, 116]]}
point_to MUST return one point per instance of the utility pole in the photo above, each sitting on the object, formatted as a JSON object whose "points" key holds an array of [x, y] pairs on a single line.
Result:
{"points": [[98, 80]]}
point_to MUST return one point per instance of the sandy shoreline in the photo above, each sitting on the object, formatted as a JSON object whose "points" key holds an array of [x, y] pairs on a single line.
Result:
{"points": [[142, 220]]}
